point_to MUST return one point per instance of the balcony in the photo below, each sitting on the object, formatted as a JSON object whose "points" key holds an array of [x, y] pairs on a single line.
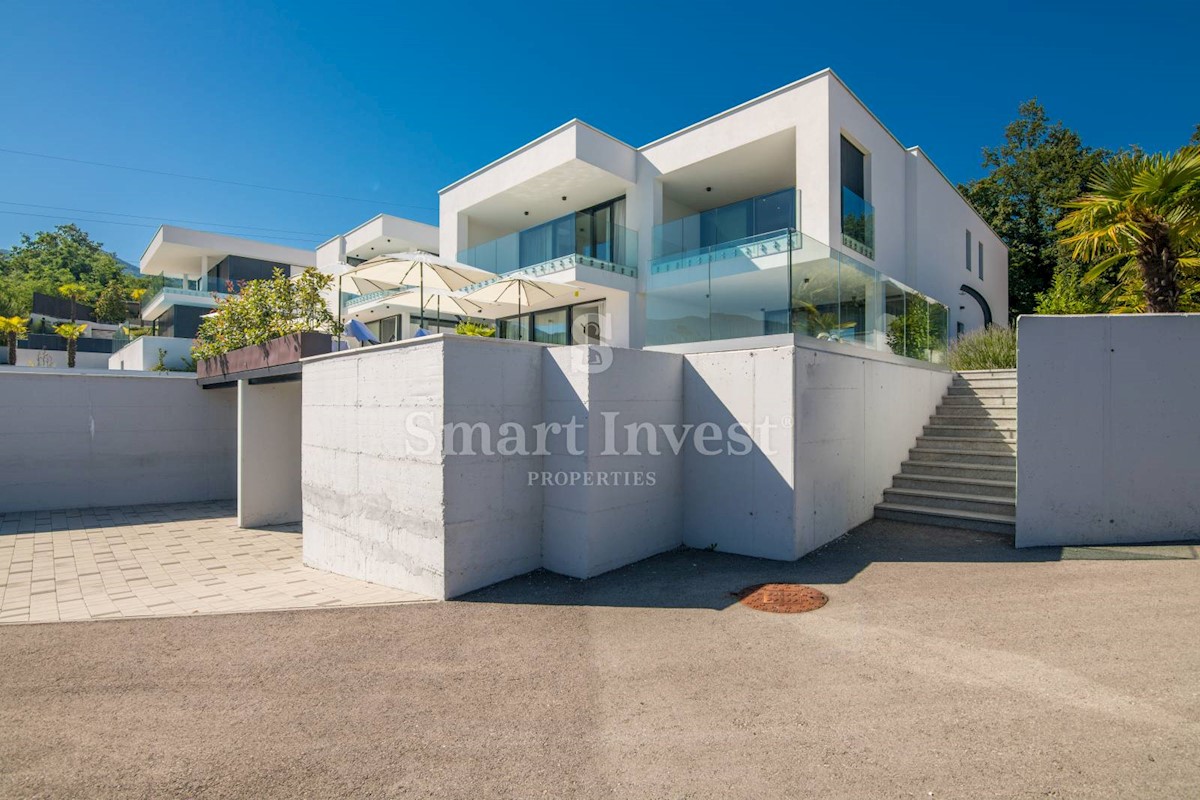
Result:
{"points": [[858, 223], [788, 283], [580, 239], [756, 225]]}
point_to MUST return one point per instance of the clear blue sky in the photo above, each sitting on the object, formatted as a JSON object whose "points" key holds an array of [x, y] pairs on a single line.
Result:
{"points": [[389, 102]]}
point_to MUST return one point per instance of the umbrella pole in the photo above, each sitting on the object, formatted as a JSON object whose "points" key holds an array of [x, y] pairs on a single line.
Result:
{"points": [[339, 317]]}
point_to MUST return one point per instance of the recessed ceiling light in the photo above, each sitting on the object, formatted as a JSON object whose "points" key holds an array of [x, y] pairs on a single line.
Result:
{"points": [[708, 188], [564, 198]]}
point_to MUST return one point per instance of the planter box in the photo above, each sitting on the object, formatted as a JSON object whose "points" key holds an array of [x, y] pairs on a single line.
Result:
{"points": [[275, 353]]}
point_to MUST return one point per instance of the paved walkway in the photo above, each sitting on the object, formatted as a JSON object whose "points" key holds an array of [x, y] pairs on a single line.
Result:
{"points": [[157, 561]]}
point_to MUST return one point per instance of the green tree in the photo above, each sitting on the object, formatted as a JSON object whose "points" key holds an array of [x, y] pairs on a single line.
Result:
{"points": [[71, 332], [47, 259], [1068, 294], [13, 328], [111, 304], [1040, 167], [266, 309], [1141, 217]]}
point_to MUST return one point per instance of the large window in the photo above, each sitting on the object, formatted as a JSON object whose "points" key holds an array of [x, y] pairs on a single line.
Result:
{"points": [[858, 215], [734, 222], [582, 323]]}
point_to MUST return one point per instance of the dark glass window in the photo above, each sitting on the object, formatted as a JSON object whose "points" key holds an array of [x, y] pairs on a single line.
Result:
{"points": [[854, 170]]}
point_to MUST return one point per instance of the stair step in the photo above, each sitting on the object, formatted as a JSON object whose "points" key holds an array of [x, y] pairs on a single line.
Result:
{"points": [[980, 412], [935, 429], [972, 445], [952, 500], [967, 391], [985, 421], [985, 373], [985, 382], [945, 484], [988, 523], [974, 401], [962, 456], [957, 469]]}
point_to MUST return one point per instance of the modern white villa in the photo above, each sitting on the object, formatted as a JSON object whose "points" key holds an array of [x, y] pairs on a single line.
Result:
{"points": [[797, 211]]}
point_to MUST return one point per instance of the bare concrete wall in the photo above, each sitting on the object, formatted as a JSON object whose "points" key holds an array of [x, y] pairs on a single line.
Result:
{"points": [[268, 467], [84, 439], [1109, 445], [776, 451]]}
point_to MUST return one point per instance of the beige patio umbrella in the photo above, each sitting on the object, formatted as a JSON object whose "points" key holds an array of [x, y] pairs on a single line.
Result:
{"points": [[422, 270], [521, 292]]}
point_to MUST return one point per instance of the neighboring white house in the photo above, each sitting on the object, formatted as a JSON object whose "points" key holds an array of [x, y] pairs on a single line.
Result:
{"points": [[195, 268]]}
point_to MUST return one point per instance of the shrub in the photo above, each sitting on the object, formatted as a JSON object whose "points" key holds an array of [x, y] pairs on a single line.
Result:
{"points": [[469, 328], [987, 348], [1068, 294], [110, 305], [264, 310]]}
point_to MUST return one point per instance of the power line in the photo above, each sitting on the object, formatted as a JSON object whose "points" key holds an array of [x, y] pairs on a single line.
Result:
{"points": [[161, 219], [139, 225], [212, 180]]}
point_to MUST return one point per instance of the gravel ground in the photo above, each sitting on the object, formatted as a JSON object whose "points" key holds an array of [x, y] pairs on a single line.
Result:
{"points": [[946, 664]]}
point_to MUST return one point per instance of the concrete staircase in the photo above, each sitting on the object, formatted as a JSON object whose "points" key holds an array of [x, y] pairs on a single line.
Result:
{"points": [[963, 471]]}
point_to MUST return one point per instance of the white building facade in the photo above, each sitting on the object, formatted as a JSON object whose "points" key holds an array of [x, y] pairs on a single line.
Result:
{"points": [[797, 210]]}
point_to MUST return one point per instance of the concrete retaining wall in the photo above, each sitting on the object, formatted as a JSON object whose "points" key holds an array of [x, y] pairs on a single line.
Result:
{"points": [[83, 439], [776, 451], [1109, 445]]}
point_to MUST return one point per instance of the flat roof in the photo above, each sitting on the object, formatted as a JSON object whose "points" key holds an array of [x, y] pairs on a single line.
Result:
{"points": [[175, 249]]}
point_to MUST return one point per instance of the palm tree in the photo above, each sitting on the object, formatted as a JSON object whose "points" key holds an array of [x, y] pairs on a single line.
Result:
{"points": [[71, 332], [76, 292], [1141, 213], [13, 328]]}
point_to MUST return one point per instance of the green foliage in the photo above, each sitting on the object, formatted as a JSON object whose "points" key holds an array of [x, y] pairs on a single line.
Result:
{"points": [[111, 304], [48, 259], [1138, 226], [1040, 167], [818, 324], [70, 331], [911, 335], [468, 328], [986, 348], [263, 310], [13, 328], [1069, 295], [160, 365]]}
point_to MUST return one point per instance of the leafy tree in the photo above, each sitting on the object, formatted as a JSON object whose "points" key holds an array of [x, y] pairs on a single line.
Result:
{"points": [[47, 259], [263, 310], [71, 332], [1195, 140], [111, 305], [1141, 217], [1040, 167], [1069, 295], [13, 328]]}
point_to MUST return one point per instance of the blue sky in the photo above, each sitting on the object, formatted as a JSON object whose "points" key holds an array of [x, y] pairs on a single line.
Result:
{"points": [[387, 103]]}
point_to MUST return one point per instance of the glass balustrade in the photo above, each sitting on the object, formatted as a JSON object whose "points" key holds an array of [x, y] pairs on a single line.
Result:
{"points": [[588, 238], [858, 223], [785, 282]]}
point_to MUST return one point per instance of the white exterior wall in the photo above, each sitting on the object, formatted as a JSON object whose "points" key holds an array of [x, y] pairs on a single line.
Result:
{"points": [[268, 465], [81, 439], [1110, 449], [57, 359], [141, 354]]}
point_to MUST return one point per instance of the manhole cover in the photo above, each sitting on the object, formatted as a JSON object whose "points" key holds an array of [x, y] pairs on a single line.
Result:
{"points": [[782, 598]]}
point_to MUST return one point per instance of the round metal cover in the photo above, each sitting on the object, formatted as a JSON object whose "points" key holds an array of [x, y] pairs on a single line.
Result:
{"points": [[782, 598]]}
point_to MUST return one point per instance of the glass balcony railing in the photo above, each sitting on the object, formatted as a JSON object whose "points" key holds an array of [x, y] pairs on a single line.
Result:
{"points": [[786, 282], [574, 240], [760, 217], [858, 223]]}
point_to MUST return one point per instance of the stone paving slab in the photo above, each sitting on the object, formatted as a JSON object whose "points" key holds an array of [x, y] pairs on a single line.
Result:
{"points": [[158, 561]]}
